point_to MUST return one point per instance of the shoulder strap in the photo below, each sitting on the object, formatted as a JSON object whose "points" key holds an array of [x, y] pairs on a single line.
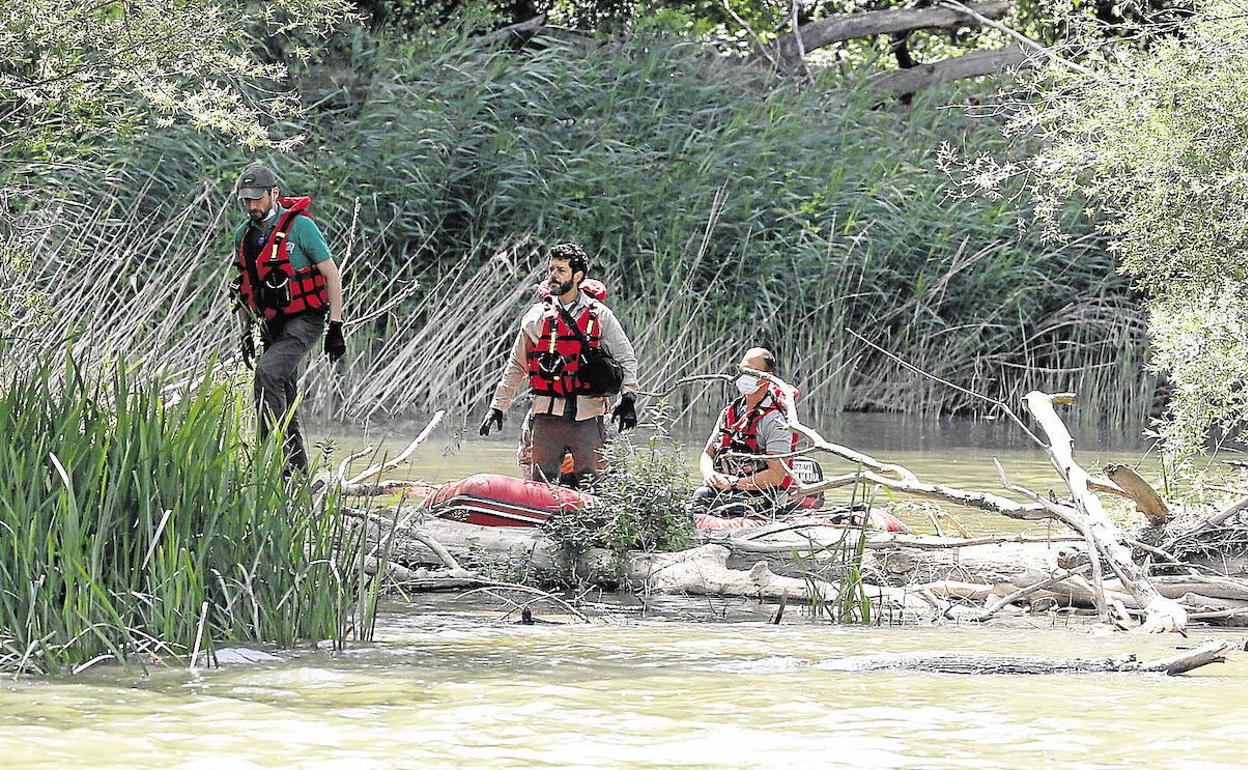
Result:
{"points": [[280, 231], [571, 322]]}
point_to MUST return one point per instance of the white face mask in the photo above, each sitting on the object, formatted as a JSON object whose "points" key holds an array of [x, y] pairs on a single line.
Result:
{"points": [[747, 384]]}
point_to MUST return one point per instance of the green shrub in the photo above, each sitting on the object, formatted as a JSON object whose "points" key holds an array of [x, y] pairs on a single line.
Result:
{"points": [[640, 503]]}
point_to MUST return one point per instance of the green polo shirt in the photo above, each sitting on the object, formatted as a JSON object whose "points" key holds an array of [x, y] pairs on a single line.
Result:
{"points": [[306, 244]]}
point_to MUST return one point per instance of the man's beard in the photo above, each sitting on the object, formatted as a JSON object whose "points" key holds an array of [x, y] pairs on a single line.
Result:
{"points": [[262, 216], [559, 289]]}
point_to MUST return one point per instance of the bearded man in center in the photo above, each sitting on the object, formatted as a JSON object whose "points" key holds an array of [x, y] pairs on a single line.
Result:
{"points": [[576, 358]]}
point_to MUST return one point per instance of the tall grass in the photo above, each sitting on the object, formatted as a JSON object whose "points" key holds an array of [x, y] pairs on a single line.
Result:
{"points": [[128, 507], [721, 211]]}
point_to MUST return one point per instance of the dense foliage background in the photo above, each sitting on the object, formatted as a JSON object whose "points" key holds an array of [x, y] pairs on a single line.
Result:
{"points": [[723, 207]]}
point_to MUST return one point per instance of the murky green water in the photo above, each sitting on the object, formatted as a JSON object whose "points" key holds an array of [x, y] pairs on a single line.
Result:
{"points": [[468, 690], [449, 684], [957, 453]]}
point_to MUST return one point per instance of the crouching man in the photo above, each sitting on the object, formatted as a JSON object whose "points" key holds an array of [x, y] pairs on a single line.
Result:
{"points": [[752, 424]]}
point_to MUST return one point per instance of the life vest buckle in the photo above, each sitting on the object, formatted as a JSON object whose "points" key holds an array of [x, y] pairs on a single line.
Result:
{"points": [[551, 365]]}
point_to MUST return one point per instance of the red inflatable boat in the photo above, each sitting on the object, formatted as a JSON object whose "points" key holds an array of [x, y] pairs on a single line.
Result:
{"points": [[492, 500]]}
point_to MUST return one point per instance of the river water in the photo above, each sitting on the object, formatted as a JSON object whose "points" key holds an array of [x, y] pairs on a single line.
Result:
{"points": [[458, 687], [957, 453], [458, 683]]}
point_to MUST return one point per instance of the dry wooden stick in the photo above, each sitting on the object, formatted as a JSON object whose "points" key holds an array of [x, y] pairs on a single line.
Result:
{"points": [[801, 46], [1071, 518], [1210, 522], [539, 595], [402, 458], [346, 461], [789, 405], [759, 46]]}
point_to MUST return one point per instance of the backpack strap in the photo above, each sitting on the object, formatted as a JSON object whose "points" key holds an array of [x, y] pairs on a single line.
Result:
{"points": [[572, 324]]}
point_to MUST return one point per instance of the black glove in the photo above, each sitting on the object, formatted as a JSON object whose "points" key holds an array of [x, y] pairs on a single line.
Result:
{"points": [[495, 416], [335, 345], [625, 413], [249, 348]]}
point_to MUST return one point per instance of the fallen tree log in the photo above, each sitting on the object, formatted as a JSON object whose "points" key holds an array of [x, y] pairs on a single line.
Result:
{"points": [[1176, 586], [979, 63], [787, 51], [1228, 612], [427, 553], [704, 571], [899, 560]]}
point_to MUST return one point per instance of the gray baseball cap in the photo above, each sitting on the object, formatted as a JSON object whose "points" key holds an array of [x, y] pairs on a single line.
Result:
{"points": [[255, 181]]}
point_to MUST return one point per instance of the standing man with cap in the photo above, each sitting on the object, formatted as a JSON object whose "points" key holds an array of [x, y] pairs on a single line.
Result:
{"points": [[560, 350], [288, 282]]}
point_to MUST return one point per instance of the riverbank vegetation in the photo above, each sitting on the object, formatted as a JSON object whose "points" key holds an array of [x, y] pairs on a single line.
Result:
{"points": [[1152, 136], [141, 521], [639, 504], [721, 208]]}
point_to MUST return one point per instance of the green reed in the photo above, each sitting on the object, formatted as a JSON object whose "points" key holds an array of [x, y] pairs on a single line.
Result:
{"points": [[128, 504], [722, 211]]}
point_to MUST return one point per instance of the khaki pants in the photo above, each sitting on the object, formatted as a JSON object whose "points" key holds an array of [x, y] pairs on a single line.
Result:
{"points": [[554, 435]]}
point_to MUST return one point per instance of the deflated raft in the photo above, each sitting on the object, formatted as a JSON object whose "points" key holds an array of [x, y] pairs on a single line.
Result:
{"points": [[492, 500]]}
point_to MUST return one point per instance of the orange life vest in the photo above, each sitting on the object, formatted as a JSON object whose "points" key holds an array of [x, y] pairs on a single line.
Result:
{"points": [[269, 286], [554, 360], [740, 434]]}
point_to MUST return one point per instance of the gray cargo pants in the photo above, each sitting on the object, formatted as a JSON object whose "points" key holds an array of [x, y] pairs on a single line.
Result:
{"points": [[552, 435], [286, 342]]}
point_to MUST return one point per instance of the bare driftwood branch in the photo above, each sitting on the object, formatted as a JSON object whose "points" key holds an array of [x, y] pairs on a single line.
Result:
{"points": [[536, 595], [1022, 39], [380, 468], [517, 35], [1161, 613], [1209, 523], [788, 50], [346, 461], [574, 39], [1073, 519], [1026, 591], [991, 62], [420, 489], [801, 48], [745, 25]]}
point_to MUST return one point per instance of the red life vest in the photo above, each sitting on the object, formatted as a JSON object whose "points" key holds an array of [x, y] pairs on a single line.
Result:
{"points": [[283, 291], [740, 434], [558, 342]]}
